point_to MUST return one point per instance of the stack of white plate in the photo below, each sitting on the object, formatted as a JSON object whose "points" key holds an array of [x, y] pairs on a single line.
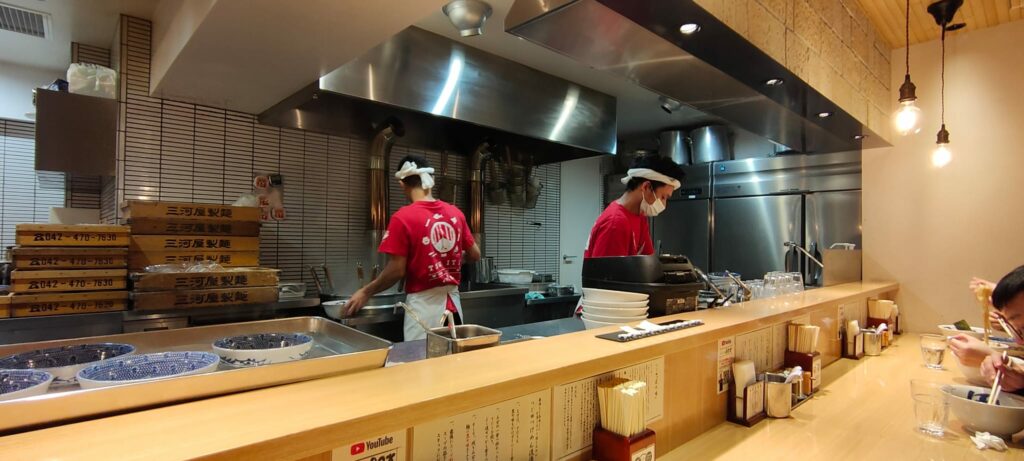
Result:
{"points": [[602, 308]]}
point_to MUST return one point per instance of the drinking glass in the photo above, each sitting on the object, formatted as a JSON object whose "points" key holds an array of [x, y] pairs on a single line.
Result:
{"points": [[797, 281], [931, 410], [933, 350]]}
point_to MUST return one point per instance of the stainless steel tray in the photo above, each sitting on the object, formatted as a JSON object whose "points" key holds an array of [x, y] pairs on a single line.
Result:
{"points": [[337, 349]]}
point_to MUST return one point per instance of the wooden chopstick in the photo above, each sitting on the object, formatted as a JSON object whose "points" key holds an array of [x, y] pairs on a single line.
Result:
{"points": [[997, 388]]}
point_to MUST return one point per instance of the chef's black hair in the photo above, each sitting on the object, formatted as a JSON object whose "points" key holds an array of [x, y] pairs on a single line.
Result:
{"points": [[1009, 287], [413, 181], [657, 163]]}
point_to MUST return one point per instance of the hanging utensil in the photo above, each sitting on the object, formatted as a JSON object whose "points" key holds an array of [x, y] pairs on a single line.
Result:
{"points": [[328, 279], [496, 193], [516, 181], [447, 188], [533, 185], [316, 280], [376, 271], [360, 275]]}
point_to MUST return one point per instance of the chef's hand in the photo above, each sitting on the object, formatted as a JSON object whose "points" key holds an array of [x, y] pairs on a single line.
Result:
{"points": [[970, 350], [1013, 373], [356, 302]]}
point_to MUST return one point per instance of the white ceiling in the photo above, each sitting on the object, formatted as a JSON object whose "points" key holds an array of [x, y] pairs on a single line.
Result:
{"points": [[638, 108], [92, 22]]}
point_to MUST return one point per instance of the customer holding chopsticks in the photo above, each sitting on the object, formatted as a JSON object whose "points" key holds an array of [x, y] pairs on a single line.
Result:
{"points": [[1008, 299]]}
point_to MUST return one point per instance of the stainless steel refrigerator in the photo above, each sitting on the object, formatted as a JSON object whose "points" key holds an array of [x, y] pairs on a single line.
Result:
{"points": [[813, 200]]}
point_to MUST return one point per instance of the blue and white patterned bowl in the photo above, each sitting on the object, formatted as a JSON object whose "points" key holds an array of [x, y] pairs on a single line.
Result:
{"points": [[148, 367], [262, 348], [15, 384], [65, 362]]}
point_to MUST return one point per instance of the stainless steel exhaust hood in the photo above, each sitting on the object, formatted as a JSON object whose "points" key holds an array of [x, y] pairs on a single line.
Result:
{"points": [[715, 70], [439, 89]]}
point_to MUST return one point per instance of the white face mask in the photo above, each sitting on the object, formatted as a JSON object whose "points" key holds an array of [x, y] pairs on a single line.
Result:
{"points": [[652, 209]]}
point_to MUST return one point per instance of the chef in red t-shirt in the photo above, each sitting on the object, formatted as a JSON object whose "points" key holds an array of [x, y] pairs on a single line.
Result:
{"points": [[426, 242], [622, 229]]}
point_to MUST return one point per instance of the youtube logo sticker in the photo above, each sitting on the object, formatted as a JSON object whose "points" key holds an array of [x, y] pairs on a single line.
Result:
{"points": [[358, 449]]}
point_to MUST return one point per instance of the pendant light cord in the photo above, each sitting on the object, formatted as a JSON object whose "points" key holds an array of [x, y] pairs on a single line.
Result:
{"points": [[942, 79], [907, 35]]}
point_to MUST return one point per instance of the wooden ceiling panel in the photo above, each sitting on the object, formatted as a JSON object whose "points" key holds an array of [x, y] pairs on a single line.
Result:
{"points": [[888, 17]]}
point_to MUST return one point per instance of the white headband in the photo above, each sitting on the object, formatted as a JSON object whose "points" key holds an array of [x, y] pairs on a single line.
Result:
{"points": [[648, 173], [411, 169]]}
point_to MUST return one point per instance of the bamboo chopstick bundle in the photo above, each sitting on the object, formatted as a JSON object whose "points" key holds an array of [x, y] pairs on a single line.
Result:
{"points": [[623, 406]]}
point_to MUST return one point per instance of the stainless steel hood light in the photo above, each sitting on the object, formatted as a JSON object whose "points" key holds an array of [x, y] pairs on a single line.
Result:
{"points": [[468, 16]]}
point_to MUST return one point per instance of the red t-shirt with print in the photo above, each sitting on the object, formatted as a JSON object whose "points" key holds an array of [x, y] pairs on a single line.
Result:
{"points": [[433, 235], [619, 232]]}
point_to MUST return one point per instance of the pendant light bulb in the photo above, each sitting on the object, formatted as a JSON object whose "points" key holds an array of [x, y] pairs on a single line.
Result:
{"points": [[942, 155], [908, 118]]}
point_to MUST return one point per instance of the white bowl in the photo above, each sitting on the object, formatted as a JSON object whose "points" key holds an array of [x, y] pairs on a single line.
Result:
{"points": [[615, 304], [1004, 419], [262, 348], [15, 384], [592, 324], [614, 320], [973, 374], [614, 311], [950, 330], [597, 294]]}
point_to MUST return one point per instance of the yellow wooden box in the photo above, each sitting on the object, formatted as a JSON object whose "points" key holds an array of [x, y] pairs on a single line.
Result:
{"points": [[68, 303], [165, 226], [63, 235], [204, 280], [187, 299], [43, 258], [23, 281], [137, 261], [5, 306], [193, 243], [135, 209]]}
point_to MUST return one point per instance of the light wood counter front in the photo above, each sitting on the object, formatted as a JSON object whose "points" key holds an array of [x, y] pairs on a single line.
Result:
{"points": [[863, 411], [307, 419]]}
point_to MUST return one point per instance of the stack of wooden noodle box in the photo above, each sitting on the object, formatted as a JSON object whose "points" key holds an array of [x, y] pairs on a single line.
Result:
{"points": [[168, 233], [68, 269]]}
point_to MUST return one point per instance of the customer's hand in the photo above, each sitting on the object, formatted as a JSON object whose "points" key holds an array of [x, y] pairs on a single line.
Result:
{"points": [[977, 283], [970, 350], [1013, 372]]}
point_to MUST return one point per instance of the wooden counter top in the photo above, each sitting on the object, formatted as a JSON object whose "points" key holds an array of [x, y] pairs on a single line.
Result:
{"points": [[863, 411], [306, 419]]}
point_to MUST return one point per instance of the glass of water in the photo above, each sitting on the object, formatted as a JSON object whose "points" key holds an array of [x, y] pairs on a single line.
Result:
{"points": [[931, 410], [933, 350]]}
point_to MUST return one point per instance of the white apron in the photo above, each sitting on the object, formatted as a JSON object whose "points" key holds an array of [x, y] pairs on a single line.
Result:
{"points": [[429, 305]]}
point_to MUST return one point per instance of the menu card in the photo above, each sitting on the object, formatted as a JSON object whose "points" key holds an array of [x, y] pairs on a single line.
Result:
{"points": [[576, 411], [514, 429]]}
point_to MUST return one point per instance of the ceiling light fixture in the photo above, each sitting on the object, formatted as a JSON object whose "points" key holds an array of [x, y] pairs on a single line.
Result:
{"points": [[468, 16], [773, 82], [824, 114], [859, 137], [943, 11], [907, 118], [689, 28], [669, 105]]}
